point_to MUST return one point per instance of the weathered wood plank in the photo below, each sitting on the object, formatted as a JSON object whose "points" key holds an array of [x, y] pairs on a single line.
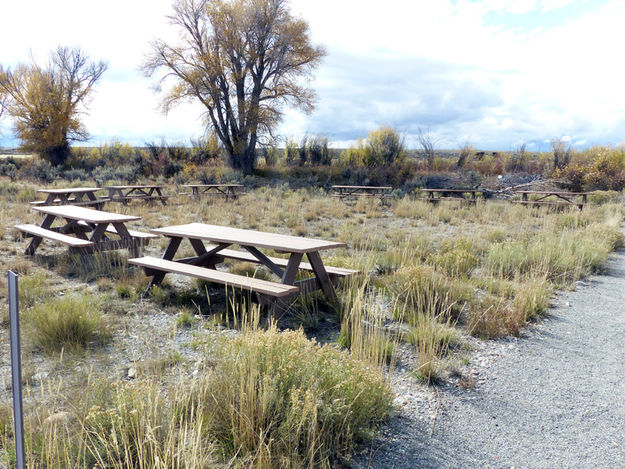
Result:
{"points": [[225, 278]]}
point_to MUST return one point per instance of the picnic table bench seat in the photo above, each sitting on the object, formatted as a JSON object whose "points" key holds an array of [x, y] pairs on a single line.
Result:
{"points": [[133, 233], [463, 195], [552, 198], [100, 201], [580, 205], [248, 257], [112, 230], [118, 198], [364, 194], [128, 193], [35, 230], [457, 199], [264, 287], [226, 191]]}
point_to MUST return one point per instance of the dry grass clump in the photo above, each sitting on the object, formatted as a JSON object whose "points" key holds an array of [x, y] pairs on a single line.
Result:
{"points": [[71, 323], [363, 328], [141, 430], [421, 289], [32, 289], [493, 316], [561, 257], [107, 264], [431, 337], [455, 262], [114, 425], [267, 399]]}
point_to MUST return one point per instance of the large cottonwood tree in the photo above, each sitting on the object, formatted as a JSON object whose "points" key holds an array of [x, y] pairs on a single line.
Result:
{"points": [[243, 60], [46, 102]]}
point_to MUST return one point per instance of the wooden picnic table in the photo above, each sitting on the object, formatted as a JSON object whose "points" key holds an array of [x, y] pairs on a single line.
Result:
{"points": [[203, 264], [148, 192], [343, 191], [436, 195], [553, 198], [77, 222], [228, 191], [73, 196]]}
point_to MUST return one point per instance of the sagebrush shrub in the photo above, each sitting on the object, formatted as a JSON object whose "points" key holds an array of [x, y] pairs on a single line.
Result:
{"points": [[281, 400]]}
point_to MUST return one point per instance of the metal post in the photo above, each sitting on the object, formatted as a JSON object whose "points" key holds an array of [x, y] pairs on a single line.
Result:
{"points": [[16, 370]]}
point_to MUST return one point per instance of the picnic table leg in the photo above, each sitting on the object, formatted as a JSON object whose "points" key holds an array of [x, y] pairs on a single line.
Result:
{"points": [[36, 241], [63, 199], [288, 278], [322, 276], [158, 191], [200, 250], [277, 306], [169, 254], [134, 245], [265, 260], [73, 227]]}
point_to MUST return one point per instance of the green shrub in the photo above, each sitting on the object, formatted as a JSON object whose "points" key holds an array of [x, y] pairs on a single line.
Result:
{"points": [[383, 147], [185, 319]]}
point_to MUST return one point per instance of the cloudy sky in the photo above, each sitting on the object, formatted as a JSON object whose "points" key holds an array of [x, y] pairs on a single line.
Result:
{"points": [[493, 73]]}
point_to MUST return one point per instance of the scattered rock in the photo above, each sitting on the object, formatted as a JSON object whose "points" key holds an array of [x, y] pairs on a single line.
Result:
{"points": [[37, 378], [59, 418]]}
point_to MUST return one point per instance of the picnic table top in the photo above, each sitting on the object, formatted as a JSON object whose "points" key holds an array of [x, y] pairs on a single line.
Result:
{"points": [[85, 214], [69, 190], [452, 190], [552, 192], [212, 185], [261, 239], [361, 187], [136, 186]]}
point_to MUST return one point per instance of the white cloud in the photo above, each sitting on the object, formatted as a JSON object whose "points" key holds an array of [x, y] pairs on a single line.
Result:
{"points": [[432, 64]]}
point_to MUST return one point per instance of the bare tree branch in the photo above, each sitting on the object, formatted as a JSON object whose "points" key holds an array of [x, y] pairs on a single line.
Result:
{"points": [[243, 60]]}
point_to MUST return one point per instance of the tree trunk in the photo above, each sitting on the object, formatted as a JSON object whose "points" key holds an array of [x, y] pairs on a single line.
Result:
{"points": [[244, 161]]}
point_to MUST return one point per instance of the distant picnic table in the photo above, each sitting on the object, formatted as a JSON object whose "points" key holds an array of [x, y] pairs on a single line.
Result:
{"points": [[227, 191], [436, 195], [77, 222], [125, 194], [552, 198], [207, 256], [381, 192], [71, 195]]}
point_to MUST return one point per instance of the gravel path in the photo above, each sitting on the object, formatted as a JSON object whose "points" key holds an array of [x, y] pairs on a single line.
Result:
{"points": [[552, 399]]}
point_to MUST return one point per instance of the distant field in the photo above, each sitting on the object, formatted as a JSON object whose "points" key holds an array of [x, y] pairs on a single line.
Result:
{"points": [[4, 154]]}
